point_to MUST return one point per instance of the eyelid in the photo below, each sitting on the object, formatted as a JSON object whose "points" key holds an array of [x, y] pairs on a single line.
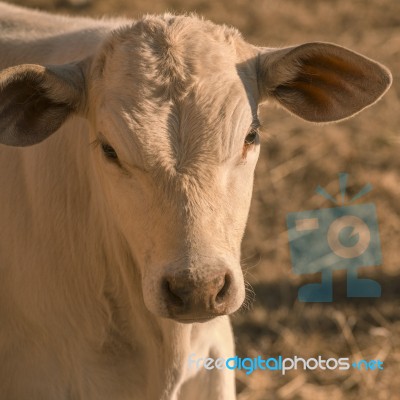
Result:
{"points": [[99, 142], [109, 152], [124, 166], [255, 124], [254, 129]]}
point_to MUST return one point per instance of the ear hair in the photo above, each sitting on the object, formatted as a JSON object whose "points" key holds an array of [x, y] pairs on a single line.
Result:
{"points": [[321, 82]]}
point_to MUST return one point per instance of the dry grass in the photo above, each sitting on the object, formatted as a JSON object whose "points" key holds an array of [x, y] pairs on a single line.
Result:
{"points": [[296, 157]]}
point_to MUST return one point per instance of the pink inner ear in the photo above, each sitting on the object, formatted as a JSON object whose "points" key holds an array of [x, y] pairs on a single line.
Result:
{"points": [[325, 86], [330, 73], [315, 74], [321, 78], [334, 63], [313, 91]]}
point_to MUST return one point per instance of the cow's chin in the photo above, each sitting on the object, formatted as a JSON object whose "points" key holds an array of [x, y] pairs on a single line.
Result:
{"points": [[194, 319]]}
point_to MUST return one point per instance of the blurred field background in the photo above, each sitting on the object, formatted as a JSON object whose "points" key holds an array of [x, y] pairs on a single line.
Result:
{"points": [[296, 157]]}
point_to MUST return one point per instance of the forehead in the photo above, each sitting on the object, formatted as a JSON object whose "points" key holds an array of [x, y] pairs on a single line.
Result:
{"points": [[169, 52], [177, 75]]}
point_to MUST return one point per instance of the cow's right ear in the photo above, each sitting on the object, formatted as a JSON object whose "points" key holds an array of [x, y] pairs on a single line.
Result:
{"points": [[36, 100]]}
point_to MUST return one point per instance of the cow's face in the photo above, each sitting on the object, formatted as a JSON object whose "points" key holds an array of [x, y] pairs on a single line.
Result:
{"points": [[177, 147], [172, 104]]}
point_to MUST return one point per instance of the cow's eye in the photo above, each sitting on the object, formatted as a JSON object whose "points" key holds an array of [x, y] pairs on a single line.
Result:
{"points": [[109, 152], [251, 137]]}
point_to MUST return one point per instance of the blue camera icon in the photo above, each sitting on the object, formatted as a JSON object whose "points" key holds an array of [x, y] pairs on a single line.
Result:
{"points": [[338, 238]]}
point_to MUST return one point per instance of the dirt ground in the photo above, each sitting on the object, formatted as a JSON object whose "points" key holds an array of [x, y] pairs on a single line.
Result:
{"points": [[296, 157]]}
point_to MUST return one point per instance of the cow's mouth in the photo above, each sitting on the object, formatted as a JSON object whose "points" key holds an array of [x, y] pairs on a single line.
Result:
{"points": [[193, 320]]}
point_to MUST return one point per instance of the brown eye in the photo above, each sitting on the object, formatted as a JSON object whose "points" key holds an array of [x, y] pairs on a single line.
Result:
{"points": [[109, 152], [251, 137]]}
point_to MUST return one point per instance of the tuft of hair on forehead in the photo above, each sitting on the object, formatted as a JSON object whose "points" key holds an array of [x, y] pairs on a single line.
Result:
{"points": [[170, 51]]}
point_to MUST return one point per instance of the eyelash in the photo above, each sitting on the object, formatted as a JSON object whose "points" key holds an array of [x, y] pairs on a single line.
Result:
{"points": [[109, 152], [251, 137]]}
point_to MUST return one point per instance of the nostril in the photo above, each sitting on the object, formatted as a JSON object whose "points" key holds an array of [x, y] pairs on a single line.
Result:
{"points": [[172, 297], [203, 294], [221, 295]]}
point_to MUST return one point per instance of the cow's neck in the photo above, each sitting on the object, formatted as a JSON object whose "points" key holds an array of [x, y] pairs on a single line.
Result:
{"points": [[31, 37]]}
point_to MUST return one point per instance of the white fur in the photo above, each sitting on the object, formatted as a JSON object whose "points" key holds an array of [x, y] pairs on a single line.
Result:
{"points": [[84, 244], [74, 322]]}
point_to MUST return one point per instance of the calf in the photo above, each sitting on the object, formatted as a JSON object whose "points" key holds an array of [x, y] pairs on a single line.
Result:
{"points": [[126, 169]]}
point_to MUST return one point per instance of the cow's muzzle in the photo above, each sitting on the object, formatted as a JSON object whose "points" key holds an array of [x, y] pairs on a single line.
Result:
{"points": [[193, 295]]}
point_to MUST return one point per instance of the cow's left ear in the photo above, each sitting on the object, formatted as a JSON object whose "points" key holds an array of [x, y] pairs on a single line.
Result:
{"points": [[36, 100], [321, 82]]}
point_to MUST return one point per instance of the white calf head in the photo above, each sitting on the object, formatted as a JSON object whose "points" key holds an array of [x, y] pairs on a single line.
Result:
{"points": [[172, 104]]}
